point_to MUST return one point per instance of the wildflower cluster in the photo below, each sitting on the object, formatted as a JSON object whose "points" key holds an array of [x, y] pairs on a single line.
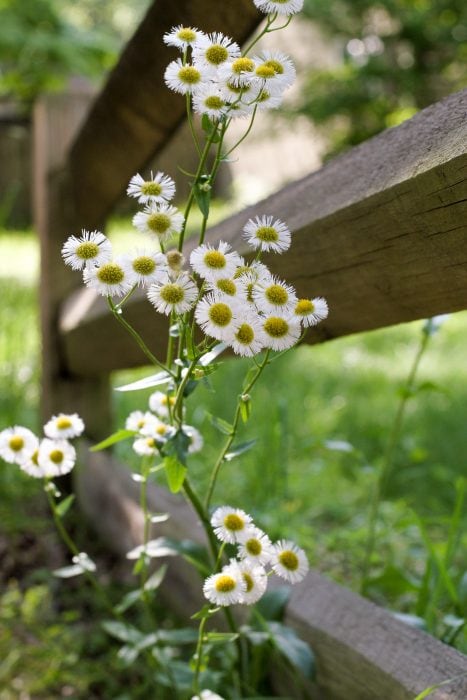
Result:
{"points": [[49, 457], [244, 580]]}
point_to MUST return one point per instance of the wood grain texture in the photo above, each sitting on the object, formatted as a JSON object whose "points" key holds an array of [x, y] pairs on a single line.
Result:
{"points": [[380, 232], [136, 114], [363, 652]]}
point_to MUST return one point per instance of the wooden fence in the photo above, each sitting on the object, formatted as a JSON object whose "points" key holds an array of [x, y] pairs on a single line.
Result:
{"points": [[380, 231]]}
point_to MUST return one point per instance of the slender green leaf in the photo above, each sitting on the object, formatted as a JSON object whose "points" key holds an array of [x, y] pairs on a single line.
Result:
{"points": [[175, 473], [63, 507], [221, 637], [206, 612], [128, 601], [239, 449], [69, 571], [272, 605], [220, 424], [203, 199], [295, 650], [245, 410], [425, 693], [155, 580], [123, 632], [147, 382], [113, 439]]}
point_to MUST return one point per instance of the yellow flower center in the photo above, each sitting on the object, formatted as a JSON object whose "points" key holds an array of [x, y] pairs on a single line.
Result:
{"points": [[63, 423], [35, 457], [237, 89], [264, 71], [172, 293], [263, 96], [214, 102], [153, 189], [245, 334], [140, 424], [216, 54], [189, 75], [161, 429], [186, 34], [87, 251], [110, 273], [16, 443], [289, 560], [214, 259], [277, 67], [249, 582], [158, 223], [234, 522], [241, 270], [150, 442], [168, 400], [253, 547], [225, 584], [144, 265], [220, 314], [56, 456], [276, 294], [276, 327], [226, 286], [267, 234], [304, 307], [242, 64]]}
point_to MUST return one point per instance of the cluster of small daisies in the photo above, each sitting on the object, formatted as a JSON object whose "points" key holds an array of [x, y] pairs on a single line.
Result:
{"points": [[153, 427], [223, 83], [244, 580], [52, 456]]}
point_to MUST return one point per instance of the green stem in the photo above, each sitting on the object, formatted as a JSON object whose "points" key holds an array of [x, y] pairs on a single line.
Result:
{"points": [[245, 134], [231, 437], [190, 123], [387, 464], [270, 20], [198, 655]]}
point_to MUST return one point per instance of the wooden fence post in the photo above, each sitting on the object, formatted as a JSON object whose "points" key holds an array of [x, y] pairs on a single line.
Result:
{"points": [[57, 118]]}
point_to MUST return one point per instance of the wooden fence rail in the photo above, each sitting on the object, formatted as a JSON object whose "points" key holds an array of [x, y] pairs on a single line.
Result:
{"points": [[379, 231]]}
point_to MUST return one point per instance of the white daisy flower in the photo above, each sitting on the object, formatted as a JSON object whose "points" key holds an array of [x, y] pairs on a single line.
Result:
{"points": [[90, 250], [225, 588], [267, 99], [144, 267], [255, 546], [223, 286], [264, 233], [196, 439], [240, 71], [217, 316], [159, 189], [64, 426], [240, 98], [158, 430], [280, 63], [274, 297], [137, 420], [145, 446], [177, 295], [56, 457], [256, 272], [230, 524], [311, 311], [183, 78], [213, 50], [159, 403], [17, 444], [281, 333], [212, 263], [160, 220], [282, 7], [209, 100], [207, 695], [289, 561], [256, 581], [182, 37], [248, 338], [30, 465], [110, 279]]}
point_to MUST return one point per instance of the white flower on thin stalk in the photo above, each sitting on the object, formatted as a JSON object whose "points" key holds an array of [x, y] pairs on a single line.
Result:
{"points": [[212, 51], [195, 438], [217, 316], [137, 420], [56, 457], [239, 72], [207, 695], [158, 430], [160, 220], [223, 286], [281, 64], [311, 311], [274, 297], [159, 189], [177, 295], [255, 546], [248, 338], [212, 263], [281, 333], [110, 279], [145, 446], [64, 426], [30, 465], [240, 98], [145, 267], [266, 99], [91, 249], [282, 7], [184, 78], [230, 524], [209, 100], [159, 403], [256, 581], [225, 588], [182, 37], [266, 233], [289, 561], [17, 444]]}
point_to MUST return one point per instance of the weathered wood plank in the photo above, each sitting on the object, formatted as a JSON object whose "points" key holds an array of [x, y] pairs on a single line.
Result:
{"points": [[379, 231], [363, 652], [135, 114]]}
